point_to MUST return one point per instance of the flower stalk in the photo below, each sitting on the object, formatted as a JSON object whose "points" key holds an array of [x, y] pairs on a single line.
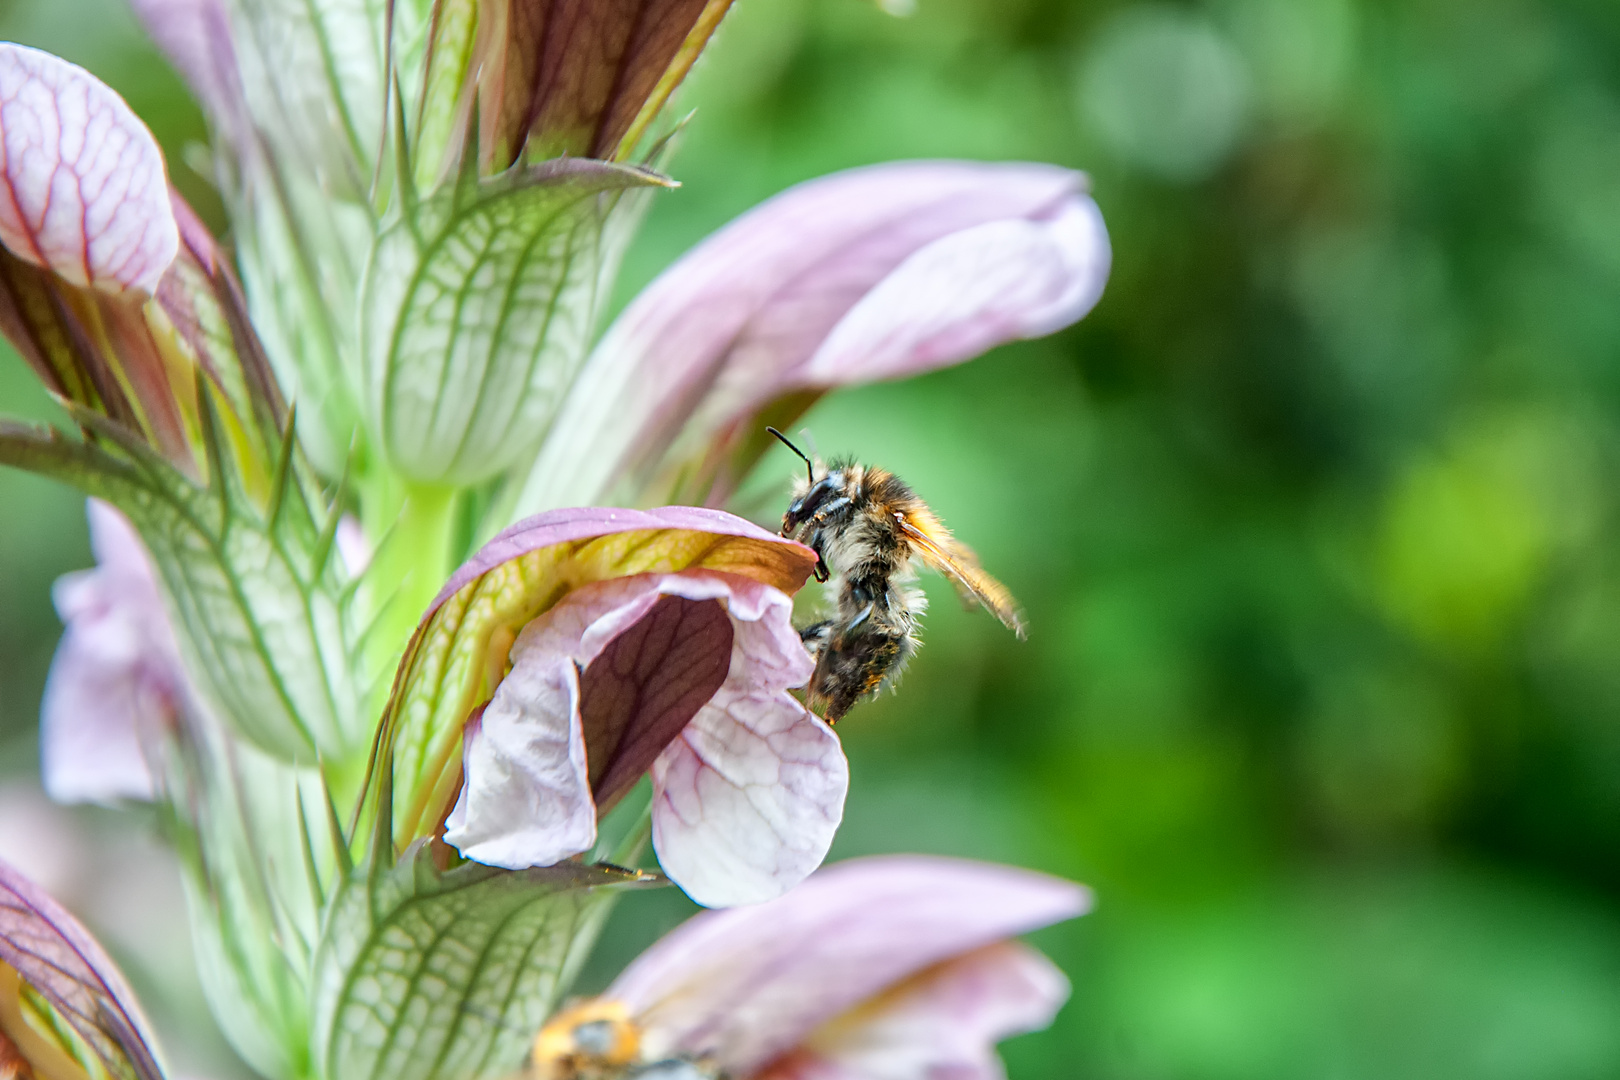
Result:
{"points": [[374, 622]]}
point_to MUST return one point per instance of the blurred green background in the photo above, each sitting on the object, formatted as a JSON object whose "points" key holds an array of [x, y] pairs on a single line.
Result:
{"points": [[1315, 517]]}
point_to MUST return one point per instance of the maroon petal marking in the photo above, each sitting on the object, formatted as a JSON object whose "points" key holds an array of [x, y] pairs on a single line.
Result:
{"points": [[643, 689], [574, 75]]}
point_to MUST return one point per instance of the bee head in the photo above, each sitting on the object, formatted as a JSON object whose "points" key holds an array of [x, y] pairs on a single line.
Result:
{"points": [[593, 1038], [821, 491], [815, 491]]}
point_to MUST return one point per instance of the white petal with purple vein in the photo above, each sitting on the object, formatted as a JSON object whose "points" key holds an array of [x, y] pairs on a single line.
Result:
{"points": [[83, 191]]}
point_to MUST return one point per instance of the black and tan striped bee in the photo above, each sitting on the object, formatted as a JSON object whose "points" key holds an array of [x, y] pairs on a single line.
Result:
{"points": [[865, 525]]}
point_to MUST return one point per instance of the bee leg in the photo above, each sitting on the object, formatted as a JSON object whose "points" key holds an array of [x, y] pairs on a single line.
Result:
{"points": [[839, 503], [865, 614], [815, 636], [812, 540]]}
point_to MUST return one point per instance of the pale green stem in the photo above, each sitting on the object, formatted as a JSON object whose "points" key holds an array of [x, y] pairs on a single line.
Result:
{"points": [[629, 850], [415, 527]]}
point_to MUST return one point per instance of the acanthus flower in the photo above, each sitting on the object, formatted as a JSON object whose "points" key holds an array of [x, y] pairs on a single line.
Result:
{"points": [[581, 649], [116, 685], [884, 968]]}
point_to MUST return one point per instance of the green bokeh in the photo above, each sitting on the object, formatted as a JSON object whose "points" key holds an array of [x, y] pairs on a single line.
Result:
{"points": [[1314, 516]]}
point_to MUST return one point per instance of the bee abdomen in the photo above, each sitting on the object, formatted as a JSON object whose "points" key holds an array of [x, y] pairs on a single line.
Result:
{"points": [[855, 668]]}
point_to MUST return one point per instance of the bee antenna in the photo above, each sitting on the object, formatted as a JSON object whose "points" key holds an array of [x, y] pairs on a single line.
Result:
{"points": [[809, 467]]}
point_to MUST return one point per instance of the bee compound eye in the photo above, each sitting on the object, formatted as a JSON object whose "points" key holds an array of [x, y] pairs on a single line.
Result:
{"points": [[596, 1037]]}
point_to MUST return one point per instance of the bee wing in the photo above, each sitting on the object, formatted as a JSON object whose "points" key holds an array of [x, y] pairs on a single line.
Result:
{"points": [[941, 551]]}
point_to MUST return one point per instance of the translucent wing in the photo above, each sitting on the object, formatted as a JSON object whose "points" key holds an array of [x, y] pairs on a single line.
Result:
{"points": [[939, 549]]}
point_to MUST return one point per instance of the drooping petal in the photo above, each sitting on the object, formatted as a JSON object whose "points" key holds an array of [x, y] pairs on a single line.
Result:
{"points": [[943, 1022], [116, 683], [747, 801], [528, 798], [46, 949], [603, 682], [745, 986], [869, 274], [460, 652], [460, 649], [84, 193], [748, 798]]}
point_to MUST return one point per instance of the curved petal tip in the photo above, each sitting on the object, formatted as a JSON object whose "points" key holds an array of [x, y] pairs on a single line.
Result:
{"points": [[83, 191]]}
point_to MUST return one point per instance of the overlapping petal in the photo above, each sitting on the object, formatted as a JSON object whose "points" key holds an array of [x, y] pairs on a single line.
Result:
{"points": [[869, 274], [501, 685], [85, 191], [748, 785], [116, 683], [748, 798], [747, 986]]}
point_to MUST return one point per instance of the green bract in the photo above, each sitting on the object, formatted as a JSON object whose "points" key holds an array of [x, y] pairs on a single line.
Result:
{"points": [[424, 974], [479, 304]]}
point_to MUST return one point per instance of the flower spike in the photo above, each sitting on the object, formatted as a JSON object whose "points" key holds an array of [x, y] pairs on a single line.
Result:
{"points": [[582, 649]]}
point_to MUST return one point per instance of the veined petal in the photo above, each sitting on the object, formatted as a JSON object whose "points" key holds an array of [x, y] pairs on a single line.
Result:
{"points": [[748, 799], [460, 654], [85, 191], [530, 793], [116, 682], [745, 986], [584, 77], [48, 960], [942, 1022], [869, 274]]}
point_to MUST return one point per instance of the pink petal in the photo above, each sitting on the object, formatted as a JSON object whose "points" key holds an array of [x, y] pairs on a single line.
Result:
{"points": [[964, 294], [526, 797], [748, 799], [84, 191], [116, 681], [551, 743], [196, 37], [460, 650], [869, 274], [749, 984], [942, 1023]]}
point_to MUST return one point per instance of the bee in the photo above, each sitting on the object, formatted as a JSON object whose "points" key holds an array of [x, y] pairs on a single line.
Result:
{"points": [[598, 1040], [865, 525]]}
